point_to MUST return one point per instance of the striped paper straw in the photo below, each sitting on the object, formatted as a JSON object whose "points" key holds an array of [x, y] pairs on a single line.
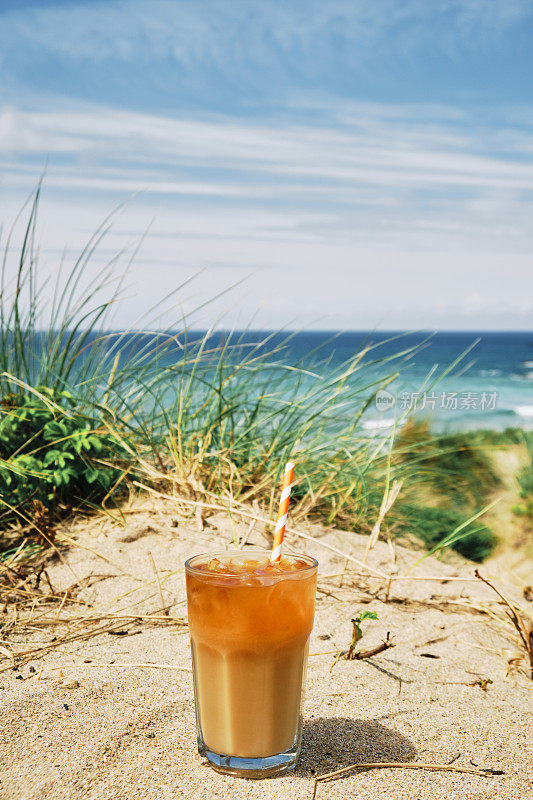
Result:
{"points": [[282, 512]]}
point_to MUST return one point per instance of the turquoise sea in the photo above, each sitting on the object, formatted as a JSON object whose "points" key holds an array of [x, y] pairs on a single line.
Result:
{"points": [[491, 387]]}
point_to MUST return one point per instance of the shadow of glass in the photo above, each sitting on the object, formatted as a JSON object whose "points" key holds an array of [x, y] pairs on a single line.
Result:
{"points": [[335, 742]]}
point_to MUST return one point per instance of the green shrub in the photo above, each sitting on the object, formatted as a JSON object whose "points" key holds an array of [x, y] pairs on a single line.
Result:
{"points": [[500, 438], [454, 465], [52, 453], [525, 482], [525, 478], [433, 525]]}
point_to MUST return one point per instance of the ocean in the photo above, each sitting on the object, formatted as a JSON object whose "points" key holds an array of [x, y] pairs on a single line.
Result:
{"points": [[491, 388]]}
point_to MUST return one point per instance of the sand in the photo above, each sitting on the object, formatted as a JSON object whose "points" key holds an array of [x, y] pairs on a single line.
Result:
{"points": [[98, 729]]}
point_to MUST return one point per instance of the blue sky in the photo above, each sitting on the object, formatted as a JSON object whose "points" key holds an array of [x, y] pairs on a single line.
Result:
{"points": [[360, 164]]}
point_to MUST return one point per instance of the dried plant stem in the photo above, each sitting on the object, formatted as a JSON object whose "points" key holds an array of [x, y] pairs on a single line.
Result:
{"points": [[441, 578], [403, 765], [265, 521], [139, 665], [35, 652], [116, 566], [373, 651], [247, 535], [80, 629], [389, 497], [243, 512], [360, 655], [524, 627], [60, 609], [50, 622]]}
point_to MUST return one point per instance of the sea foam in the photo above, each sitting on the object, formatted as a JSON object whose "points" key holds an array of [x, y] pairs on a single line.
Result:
{"points": [[374, 424], [524, 411]]}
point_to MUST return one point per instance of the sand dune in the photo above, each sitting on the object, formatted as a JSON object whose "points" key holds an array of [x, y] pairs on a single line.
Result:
{"points": [[84, 724]]}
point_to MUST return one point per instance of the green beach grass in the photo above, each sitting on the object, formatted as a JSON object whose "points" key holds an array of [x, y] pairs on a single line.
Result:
{"points": [[84, 414]]}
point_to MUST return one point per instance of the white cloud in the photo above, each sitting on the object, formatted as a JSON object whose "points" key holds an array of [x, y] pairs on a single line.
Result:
{"points": [[417, 214], [377, 214], [370, 150]]}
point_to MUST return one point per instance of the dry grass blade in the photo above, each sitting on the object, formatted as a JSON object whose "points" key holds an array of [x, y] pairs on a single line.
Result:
{"points": [[139, 665], [25, 584], [22, 657], [486, 773], [50, 622], [523, 625], [243, 512], [234, 506], [389, 497], [79, 629]]}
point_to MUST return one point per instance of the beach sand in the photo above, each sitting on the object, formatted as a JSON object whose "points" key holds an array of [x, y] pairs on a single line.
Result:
{"points": [[86, 725]]}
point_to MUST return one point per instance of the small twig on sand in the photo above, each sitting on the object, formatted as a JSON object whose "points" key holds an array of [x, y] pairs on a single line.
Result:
{"points": [[487, 772], [373, 651], [523, 625], [359, 655], [357, 635], [454, 758]]}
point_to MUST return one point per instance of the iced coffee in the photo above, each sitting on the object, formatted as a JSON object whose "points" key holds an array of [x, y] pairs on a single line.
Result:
{"points": [[250, 623]]}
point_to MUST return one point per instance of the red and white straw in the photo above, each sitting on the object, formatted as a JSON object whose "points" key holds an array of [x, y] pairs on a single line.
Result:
{"points": [[282, 512]]}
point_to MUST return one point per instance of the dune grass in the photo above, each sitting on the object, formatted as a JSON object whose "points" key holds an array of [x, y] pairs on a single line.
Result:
{"points": [[525, 481], [85, 410], [459, 474]]}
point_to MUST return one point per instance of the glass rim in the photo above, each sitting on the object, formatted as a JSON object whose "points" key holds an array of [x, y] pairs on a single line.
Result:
{"points": [[311, 565]]}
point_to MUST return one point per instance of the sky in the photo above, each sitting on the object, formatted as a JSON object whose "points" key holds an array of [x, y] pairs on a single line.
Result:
{"points": [[341, 165]]}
